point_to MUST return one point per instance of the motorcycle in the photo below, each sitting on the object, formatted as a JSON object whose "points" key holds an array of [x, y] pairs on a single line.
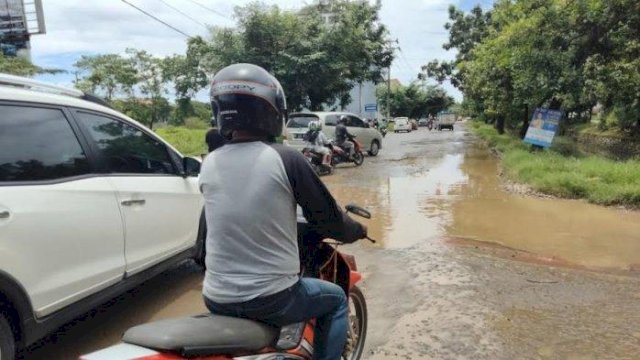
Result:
{"points": [[315, 160], [339, 155], [430, 124], [214, 337], [383, 131]]}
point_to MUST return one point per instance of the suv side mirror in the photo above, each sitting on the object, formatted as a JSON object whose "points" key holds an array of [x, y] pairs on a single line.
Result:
{"points": [[191, 166]]}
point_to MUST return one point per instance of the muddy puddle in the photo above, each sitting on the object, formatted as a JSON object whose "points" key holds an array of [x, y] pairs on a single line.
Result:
{"points": [[569, 231], [417, 199], [408, 208]]}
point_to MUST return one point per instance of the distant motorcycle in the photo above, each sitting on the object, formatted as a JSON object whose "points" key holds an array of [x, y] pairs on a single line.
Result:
{"points": [[341, 156], [430, 124], [383, 131]]}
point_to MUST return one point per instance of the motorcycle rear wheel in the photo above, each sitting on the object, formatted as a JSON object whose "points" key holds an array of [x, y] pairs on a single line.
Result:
{"points": [[358, 158], [357, 325]]}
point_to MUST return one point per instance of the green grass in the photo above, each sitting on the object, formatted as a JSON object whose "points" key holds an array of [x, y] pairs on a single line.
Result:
{"points": [[187, 141], [596, 179]]}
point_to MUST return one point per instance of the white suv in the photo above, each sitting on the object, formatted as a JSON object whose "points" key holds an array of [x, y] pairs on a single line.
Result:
{"points": [[91, 204]]}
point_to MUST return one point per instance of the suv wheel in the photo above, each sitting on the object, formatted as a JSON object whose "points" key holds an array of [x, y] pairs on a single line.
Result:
{"points": [[375, 148], [7, 343]]}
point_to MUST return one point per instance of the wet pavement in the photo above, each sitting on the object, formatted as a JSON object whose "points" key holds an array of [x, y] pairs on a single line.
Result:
{"points": [[462, 269]]}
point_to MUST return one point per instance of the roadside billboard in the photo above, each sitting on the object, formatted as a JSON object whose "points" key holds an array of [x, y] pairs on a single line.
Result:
{"points": [[543, 126]]}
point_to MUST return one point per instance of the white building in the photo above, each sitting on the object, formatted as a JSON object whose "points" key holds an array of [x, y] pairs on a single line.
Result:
{"points": [[363, 96], [19, 19]]}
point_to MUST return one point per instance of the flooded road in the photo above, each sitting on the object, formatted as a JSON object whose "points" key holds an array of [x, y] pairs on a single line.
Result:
{"points": [[445, 280]]}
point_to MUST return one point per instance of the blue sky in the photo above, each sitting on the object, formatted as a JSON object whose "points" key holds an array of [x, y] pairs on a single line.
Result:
{"points": [[84, 27]]}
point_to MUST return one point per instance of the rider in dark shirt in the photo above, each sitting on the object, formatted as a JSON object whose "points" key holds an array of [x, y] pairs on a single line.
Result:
{"points": [[213, 138], [343, 136]]}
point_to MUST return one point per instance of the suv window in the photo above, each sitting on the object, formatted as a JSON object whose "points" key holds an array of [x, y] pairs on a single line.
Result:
{"points": [[38, 144], [126, 149], [331, 120], [355, 122]]}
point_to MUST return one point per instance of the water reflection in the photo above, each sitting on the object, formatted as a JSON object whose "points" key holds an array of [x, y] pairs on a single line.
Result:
{"points": [[408, 207]]}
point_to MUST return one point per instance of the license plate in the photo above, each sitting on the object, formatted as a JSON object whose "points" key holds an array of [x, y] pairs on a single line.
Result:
{"points": [[298, 136]]}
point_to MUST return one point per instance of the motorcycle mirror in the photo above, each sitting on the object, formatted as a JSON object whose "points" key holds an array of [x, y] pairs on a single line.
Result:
{"points": [[357, 210]]}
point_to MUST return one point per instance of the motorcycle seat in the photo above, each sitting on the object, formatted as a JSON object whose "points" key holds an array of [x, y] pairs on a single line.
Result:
{"points": [[203, 335]]}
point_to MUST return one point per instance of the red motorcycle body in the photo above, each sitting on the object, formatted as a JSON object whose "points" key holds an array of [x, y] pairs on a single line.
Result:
{"points": [[335, 267]]}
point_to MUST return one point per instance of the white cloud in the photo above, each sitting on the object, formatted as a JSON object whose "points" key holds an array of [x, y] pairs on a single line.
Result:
{"points": [[419, 28], [77, 27]]}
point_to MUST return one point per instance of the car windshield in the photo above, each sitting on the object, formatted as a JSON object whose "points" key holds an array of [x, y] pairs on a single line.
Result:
{"points": [[301, 121]]}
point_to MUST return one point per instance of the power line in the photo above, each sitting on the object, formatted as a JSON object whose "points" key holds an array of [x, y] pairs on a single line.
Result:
{"points": [[183, 14], [210, 9], [157, 19], [404, 59]]}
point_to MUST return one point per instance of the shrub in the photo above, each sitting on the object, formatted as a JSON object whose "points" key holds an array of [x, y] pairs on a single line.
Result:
{"points": [[565, 146], [187, 141], [193, 122]]}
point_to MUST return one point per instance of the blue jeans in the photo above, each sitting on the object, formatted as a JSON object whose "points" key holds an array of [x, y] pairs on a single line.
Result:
{"points": [[308, 298]]}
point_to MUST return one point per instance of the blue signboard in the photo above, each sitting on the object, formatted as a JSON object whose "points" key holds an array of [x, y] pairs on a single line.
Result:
{"points": [[543, 127], [371, 107]]}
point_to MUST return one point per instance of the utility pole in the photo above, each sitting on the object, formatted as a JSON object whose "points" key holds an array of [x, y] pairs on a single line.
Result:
{"points": [[390, 42], [389, 92], [360, 109]]}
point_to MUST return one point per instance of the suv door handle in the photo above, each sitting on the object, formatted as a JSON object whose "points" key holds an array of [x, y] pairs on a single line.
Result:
{"points": [[4, 214], [133, 202]]}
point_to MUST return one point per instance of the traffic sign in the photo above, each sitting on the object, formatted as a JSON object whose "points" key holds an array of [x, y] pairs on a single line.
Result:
{"points": [[371, 107]]}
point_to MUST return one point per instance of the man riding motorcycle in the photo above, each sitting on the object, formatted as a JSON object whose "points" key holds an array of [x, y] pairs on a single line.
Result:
{"points": [[318, 142], [343, 137], [251, 187]]}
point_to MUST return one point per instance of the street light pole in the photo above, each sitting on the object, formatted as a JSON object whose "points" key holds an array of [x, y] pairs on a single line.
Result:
{"points": [[389, 92], [390, 43]]}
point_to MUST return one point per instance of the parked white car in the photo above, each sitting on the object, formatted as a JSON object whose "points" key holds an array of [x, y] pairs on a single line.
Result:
{"points": [[91, 204], [298, 125], [401, 124]]}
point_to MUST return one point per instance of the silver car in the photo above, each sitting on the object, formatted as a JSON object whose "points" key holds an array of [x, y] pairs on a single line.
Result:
{"points": [[298, 125]]}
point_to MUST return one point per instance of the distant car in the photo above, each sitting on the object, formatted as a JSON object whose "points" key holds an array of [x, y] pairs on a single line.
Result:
{"points": [[298, 125], [401, 124], [423, 122]]}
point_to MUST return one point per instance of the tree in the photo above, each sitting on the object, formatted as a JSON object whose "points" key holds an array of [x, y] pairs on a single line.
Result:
{"points": [[465, 32], [17, 65], [546, 53], [188, 75], [414, 101], [150, 81], [109, 74], [316, 62]]}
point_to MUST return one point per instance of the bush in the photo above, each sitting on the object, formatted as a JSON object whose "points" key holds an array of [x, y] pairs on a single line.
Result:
{"points": [[193, 122], [187, 141], [594, 178], [565, 146]]}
